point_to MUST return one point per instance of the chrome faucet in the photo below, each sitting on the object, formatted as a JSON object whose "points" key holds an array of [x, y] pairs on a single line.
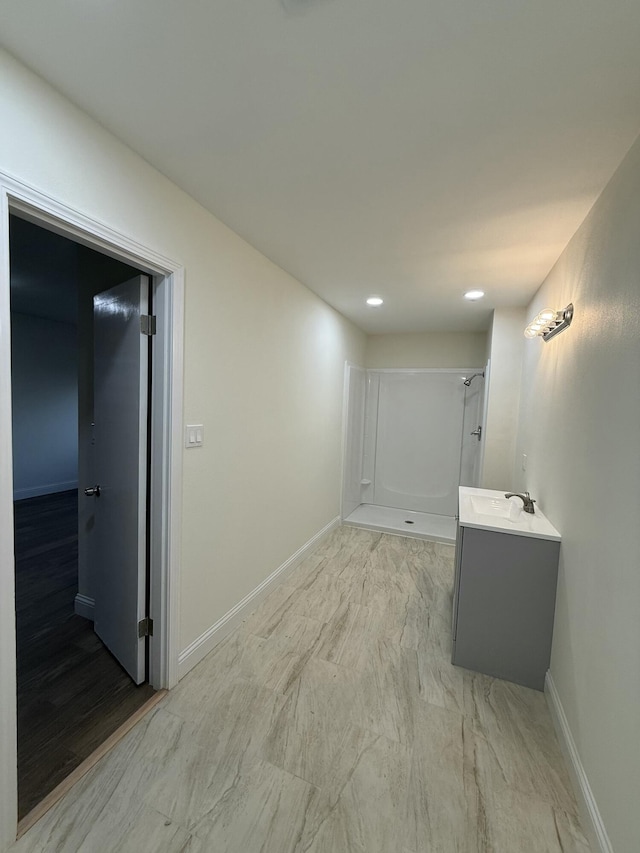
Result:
{"points": [[526, 500]]}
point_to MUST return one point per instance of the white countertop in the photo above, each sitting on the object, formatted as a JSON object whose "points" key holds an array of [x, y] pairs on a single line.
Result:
{"points": [[488, 517]]}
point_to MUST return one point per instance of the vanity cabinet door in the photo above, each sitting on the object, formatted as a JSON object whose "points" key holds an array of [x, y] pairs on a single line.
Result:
{"points": [[506, 601]]}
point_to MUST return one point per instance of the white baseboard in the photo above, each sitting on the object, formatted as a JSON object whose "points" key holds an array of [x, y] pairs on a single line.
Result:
{"points": [[83, 606], [593, 824], [201, 646], [46, 489]]}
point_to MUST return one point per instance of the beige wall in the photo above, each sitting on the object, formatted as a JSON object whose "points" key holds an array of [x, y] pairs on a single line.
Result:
{"points": [[432, 349], [580, 426], [264, 357], [506, 340]]}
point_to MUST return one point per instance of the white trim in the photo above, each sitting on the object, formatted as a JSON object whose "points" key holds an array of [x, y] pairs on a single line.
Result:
{"points": [[343, 448], [84, 606], [8, 735], [46, 489], [166, 481], [39, 207], [201, 646], [168, 276], [346, 390], [591, 818]]}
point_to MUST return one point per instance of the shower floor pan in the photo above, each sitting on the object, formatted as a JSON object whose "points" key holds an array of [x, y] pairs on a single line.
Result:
{"points": [[420, 525]]}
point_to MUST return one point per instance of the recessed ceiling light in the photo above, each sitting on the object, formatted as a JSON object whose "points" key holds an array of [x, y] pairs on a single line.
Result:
{"points": [[374, 300], [474, 294]]}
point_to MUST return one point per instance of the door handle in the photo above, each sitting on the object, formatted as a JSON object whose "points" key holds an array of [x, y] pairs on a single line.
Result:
{"points": [[94, 492], [477, 431]]}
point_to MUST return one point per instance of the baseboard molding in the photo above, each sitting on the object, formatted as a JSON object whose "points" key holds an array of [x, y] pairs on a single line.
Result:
{"points": [[83, 606], [201, 646], [593, 824], [47, 489]]}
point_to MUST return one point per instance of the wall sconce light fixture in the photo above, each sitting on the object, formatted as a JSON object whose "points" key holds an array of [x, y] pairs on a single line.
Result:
{"points": [[549, 323]]}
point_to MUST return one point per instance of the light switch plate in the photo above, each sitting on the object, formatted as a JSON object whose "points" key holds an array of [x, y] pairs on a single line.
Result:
{"points": [[194, 435]]}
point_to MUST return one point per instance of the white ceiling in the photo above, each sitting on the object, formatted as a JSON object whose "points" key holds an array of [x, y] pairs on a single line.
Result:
{"points": [[406, 148]]}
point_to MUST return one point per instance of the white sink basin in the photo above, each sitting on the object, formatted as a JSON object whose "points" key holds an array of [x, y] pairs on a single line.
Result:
{"points": [[488, 509], [483, 505]]}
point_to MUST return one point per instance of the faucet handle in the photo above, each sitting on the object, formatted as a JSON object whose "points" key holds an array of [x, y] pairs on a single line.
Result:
{"points": [[526, 499]]}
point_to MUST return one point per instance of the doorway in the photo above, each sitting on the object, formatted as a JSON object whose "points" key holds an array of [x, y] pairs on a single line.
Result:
{"points": [[166, 281], [73, 691]]}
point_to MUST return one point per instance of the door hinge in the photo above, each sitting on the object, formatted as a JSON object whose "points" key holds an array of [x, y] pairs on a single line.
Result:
{"points": [[147, 324], [145, 627]]}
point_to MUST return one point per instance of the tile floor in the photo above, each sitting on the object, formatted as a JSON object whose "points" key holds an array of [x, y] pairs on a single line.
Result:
{"points": [[331, 721]]}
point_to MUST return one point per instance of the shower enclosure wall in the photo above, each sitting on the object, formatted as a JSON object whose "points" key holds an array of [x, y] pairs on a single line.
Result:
{"points": [[408, 446]]}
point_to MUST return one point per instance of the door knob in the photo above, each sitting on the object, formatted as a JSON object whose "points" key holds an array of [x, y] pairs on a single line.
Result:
{"points": [[94, 492]]}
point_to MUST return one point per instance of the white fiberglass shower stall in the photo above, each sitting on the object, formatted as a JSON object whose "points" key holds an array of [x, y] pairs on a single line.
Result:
{"points": [[411, 438]]}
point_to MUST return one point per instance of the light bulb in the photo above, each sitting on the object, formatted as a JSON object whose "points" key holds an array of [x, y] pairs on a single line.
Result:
{"points": [[530, 333], [374, 300]]}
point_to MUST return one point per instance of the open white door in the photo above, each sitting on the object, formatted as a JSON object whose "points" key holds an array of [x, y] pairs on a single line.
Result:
{"points": [[118, 542]]}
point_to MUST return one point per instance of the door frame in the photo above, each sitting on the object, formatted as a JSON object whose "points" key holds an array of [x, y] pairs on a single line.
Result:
{"points": [[167, 277]]}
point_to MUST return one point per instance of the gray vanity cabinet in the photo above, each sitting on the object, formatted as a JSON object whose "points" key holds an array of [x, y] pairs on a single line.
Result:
{"points": [[504, 601]]}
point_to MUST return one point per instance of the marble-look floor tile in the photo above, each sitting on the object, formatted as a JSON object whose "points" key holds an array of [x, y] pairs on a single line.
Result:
{"points": [[432, 569], [440, 812], [379, 586], [441, 683], [262, 810], [332, 721], [348, 635], [388, 690], [389, 553], [321, 598], [347, 553], [379, 696], [313, 735], [513, 823], [265, 618], [274, 662], [318, 601], [368, 812], [346, 543], [516, 747], [455, 805], [139, 828], [213, 750], [308, 569], [105, 809]]}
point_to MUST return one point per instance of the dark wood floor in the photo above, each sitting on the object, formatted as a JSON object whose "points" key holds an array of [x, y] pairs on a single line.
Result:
{"points": [[72, 694]]}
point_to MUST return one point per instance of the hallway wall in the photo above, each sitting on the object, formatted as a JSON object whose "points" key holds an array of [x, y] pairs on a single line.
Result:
{"points": [[264, 357], [580, 427], [506, 344], [428, 349]]}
